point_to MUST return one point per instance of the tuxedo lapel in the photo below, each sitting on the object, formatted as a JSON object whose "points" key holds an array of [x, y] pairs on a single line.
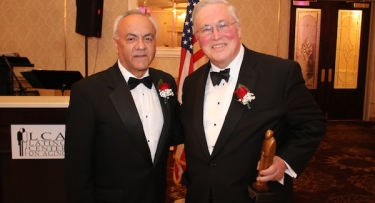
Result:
{"points": [[248, 76], [198, 107], [125, 106], [166, 115]]}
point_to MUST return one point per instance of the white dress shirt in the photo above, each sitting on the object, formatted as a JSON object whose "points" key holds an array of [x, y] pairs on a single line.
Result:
{"points": [[217, 100], [149, 110]]}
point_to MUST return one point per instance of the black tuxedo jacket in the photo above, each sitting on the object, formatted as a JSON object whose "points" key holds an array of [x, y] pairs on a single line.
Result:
{"points": [[107, 155], [282, 104]]}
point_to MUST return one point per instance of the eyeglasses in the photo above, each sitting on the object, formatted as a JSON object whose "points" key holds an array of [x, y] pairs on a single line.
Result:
{"points": [[221, 27]]}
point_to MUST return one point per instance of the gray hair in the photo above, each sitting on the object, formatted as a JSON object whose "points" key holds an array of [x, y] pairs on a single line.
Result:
{"points": [[128, 13], [201, 4]]}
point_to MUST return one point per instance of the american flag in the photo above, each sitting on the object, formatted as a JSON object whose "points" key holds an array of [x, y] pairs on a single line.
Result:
{"points": [[192, 58]]}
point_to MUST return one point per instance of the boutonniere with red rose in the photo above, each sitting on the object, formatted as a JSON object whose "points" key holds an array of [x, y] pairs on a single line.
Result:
{"points": [[165, 90], [244, 95]]}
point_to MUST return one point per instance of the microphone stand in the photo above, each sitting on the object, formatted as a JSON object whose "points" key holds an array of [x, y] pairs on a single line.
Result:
{"points": [[21, 89]]}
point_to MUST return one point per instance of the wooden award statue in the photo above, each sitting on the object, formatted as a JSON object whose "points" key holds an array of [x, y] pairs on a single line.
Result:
{"points": [[259, 190]]}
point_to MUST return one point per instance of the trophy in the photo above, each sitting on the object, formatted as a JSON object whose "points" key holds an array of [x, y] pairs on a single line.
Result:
{"points": [[259, 190]]}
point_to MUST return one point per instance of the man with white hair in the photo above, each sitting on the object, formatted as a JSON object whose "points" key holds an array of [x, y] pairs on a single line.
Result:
{"points": [[120, 123], [228, 105]]}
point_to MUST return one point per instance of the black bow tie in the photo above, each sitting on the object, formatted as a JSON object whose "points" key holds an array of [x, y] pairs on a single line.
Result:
{"points": [[217, 76], [133, 82]]}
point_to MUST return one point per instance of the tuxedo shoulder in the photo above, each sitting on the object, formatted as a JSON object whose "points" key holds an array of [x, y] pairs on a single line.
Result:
{"points": [[262, 57], [192, 78], [93, 78], [109, 77], [266, 63], [200, 71]]}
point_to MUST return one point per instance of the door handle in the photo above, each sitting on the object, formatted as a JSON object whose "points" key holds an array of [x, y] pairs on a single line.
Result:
{"points": [[330, 75], [323, 75]]}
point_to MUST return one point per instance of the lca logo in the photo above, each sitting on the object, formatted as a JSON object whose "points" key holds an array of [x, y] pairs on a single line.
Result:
{"points": [[21, 139], [38, 141]]}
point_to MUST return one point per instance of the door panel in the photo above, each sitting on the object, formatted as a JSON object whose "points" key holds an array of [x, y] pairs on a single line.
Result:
{"points": [[330, 41]]}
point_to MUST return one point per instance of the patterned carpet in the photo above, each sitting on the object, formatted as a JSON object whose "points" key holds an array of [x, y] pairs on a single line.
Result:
{"points": [[341, 171]]}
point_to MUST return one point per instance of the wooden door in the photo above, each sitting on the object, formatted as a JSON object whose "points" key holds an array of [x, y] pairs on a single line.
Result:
{"points": [[330, 41]]}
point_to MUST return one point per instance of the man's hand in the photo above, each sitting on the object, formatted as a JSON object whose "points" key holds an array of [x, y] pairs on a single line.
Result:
{"points": [[275, 172]]}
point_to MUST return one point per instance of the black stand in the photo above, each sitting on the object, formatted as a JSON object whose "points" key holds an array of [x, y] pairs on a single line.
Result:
{"points": [[20, 91], [52, 79], [260, 196]]}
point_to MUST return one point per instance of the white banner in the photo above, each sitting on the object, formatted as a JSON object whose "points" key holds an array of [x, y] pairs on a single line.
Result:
{"points": [[38, 141]]}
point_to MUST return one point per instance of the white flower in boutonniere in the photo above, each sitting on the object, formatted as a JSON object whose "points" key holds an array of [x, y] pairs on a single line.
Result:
{"points": [[164, 90], [244, 95]]}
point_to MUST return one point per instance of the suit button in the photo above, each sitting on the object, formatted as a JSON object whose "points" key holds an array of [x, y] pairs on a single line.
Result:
{"points": [[212, 164]]}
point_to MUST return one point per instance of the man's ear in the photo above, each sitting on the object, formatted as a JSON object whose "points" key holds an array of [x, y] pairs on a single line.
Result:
{"points": [[116, 44]]}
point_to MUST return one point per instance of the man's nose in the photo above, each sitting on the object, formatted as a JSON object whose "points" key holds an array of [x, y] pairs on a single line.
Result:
{"points": [[216, 34], [140, 44]]}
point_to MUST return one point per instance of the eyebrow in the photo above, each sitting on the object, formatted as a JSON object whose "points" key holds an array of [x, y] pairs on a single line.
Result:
{"points": [[149, 35], [205, 25], [135, 35]]}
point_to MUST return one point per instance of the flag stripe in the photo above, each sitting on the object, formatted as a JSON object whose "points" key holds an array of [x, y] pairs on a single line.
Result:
{"points": [[192, 58], [183, 72]]}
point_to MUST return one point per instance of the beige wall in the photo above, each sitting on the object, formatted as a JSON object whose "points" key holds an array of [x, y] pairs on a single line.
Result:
{"points": [[39, 30], [36, 29], [101, 53]]}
